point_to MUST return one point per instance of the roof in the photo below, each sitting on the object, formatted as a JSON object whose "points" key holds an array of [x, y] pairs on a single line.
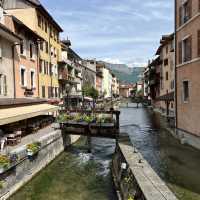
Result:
{"points": [[20, 23], [11, 115], [164, 40], [9, 102], [74, 54], [9, 32], [38, 5]]}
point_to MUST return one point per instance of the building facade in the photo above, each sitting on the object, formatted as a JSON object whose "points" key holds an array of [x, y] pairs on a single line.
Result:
{"points": [[26, 59], [70, 75], [167, 75], [187, 70], [7, 76], [89, 72], [50, 49], [99, 80]]}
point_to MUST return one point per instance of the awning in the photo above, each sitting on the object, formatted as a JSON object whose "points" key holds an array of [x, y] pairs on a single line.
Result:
{"points": [[11, 115], [166, 97]]}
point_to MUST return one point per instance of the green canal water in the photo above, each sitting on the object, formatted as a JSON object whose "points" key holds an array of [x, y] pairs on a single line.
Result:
{"points": [[77, 175], [74, 175]]}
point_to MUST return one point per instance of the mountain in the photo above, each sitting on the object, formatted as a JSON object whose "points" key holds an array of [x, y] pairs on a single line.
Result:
{"points": [[124, 73]]}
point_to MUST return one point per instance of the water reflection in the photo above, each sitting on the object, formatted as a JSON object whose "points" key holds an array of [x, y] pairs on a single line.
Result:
{"points": [[178, 165]]}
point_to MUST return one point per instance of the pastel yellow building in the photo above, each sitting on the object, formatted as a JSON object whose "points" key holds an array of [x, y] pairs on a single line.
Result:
{"points": [[37, 18]]}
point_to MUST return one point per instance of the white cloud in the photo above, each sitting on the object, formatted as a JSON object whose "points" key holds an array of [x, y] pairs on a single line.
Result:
{"points": [[112, 60]]}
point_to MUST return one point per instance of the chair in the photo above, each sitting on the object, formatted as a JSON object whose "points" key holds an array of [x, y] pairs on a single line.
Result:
{"points": [[18, 135], [11, 139]]}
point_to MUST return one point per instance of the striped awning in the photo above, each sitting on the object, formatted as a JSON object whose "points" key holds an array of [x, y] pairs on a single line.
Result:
{"points": [[11, 115]]}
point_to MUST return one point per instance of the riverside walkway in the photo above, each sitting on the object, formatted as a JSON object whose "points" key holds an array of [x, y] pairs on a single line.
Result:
{"points": [[141, 180]]}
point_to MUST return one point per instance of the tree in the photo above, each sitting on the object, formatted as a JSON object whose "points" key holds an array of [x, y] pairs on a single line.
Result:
{"points": [[90, 91]]}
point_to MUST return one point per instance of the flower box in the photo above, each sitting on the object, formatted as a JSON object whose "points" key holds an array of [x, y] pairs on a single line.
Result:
{"points": [[103, 129], [33, 149], [4, 163]]}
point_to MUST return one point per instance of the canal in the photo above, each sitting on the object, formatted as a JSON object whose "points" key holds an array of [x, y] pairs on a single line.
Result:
{"points": [[77, 175]]}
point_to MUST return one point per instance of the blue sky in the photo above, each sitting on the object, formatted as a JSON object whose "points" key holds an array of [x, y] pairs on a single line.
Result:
{"points": [[119, 31]]}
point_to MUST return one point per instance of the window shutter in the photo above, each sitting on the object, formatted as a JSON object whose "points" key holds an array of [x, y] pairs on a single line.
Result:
{"points": [[198, 43], [189, 49], [180, 16], [5, 86], [0, 49], [199, 5], [190, 8], [180, 52]]}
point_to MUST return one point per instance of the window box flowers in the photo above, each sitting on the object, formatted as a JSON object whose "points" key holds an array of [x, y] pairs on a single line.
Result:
{"points": [[4, 163], [33, 148]]}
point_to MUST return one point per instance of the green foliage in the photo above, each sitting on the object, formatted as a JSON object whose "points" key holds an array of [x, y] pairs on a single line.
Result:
{"points": [[139, 94], [34, 147], [88, 118], [104, 119], [64, 118], [130, 198], [4, 161], [90, 91], [78, 118], [1, 184]]}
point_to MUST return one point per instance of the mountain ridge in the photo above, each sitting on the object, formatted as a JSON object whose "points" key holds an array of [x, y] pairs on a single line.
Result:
{"points": [[124, 73]]}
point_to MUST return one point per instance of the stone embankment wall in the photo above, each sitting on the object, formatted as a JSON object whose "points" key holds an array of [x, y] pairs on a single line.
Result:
{"points": [[25, 168], [134, 178]]}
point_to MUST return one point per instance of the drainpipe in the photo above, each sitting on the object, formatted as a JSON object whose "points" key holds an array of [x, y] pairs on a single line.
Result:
{"points": [[14, 80], [14, 72], [38, 71], [175, 54]]}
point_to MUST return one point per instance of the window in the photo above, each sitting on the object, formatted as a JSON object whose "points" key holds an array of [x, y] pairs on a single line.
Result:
{"points": [[39, 21], [22, 48], [185, 91], [43, 92], [23, 76], [45, 68], [46, 27], [41, 46], [52, 91], [5, 85], [166, 62], [31, 50], [55, 52], [56, 92], [172, 85], [32, 78], [40, 66], [198, 42], [167, 76], [47, 47], [187, 49], [51, 32], [51, 69], [49, 92], [185, 12]]}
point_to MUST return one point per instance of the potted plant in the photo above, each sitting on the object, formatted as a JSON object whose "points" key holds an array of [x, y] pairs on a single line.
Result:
{"points": [[33, 148], [4, 163]]}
